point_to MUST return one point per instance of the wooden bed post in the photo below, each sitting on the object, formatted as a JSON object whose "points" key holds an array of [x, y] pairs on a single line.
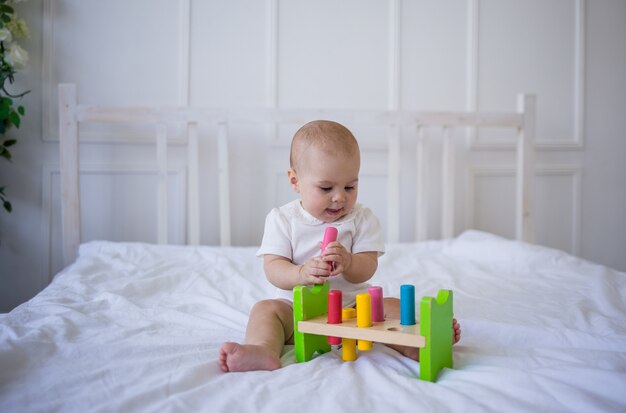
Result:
{"points": [[70, 172], [524, 226]]}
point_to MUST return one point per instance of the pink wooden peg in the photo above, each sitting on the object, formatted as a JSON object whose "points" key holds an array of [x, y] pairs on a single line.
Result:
{"points": [[330, 235], [334, 313], [378, 310]]}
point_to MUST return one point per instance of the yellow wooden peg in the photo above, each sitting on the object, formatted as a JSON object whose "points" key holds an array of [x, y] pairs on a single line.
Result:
{"points": [[364, 317], [348, 345]]}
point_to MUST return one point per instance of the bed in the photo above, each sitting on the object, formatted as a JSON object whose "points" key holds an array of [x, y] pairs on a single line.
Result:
{"points": [[129, 326]]}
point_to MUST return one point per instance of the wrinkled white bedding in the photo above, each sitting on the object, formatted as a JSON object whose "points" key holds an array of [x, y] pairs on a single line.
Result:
{"points": [[137, 327]]}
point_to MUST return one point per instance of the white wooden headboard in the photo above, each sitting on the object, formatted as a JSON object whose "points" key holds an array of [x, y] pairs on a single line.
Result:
{"points": [[71, 114]]}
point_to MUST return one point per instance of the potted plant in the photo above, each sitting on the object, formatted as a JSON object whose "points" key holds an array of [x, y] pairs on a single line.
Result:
{"points": [[12, 59]]}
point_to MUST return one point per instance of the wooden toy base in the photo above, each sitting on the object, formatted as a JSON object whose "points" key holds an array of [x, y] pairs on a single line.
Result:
{"points": [[387, 332]]}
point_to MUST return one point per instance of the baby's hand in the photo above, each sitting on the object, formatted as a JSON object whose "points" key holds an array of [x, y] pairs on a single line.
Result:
{"points": [[338, 256], [313, 271]]}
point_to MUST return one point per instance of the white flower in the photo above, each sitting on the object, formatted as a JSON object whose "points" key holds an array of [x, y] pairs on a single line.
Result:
{"points": [[16, 56], [18, 28], [5, 35]]}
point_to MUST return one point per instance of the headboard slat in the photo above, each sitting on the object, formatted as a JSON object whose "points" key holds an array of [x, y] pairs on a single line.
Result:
{"points": [[224, 184], [193, 188], [161, 151], [393, 182], [447, 184], [421, 207]]}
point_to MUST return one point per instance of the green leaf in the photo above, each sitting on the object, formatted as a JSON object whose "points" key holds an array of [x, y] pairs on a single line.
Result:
{"points": [[7, 206], [5, 18], [15, 119], [20, 110], [7, 9], [4, 152], [9, 142]]}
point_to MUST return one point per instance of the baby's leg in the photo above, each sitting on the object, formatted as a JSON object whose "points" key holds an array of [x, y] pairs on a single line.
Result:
{"points": [[392, 310], [270, 325]]}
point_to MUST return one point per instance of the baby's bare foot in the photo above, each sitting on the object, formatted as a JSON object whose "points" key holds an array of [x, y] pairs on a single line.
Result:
{"points": [[456, 331], [245, 357]]}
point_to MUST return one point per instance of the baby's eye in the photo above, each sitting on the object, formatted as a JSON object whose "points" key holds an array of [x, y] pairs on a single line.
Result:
{"points": [[349, 188], [326, 188]]}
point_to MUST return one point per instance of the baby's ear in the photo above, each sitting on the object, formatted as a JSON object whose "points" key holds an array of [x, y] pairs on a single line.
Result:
{"points": [[293, 179]]}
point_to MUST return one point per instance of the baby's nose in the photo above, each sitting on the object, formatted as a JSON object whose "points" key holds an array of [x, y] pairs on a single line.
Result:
{"points": [[339, 196]]}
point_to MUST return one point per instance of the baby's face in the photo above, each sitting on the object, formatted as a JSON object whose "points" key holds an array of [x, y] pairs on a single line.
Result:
{"points": [[327, 184]]}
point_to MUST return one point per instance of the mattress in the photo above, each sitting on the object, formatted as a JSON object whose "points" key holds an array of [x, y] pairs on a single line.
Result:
{"points": [[137, 327]]}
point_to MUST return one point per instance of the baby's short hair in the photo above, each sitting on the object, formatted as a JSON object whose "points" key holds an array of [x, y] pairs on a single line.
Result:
{"points": [[331, 137]]}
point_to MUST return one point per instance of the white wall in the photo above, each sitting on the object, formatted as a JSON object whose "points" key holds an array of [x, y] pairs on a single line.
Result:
{"points": [[375, 54]]}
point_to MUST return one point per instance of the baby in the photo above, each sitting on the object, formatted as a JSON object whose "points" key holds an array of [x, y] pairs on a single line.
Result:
{"points": [[324, 170]]}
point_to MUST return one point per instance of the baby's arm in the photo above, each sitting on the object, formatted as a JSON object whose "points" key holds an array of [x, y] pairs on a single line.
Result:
{"points": [[284, 274], [356, 268]]}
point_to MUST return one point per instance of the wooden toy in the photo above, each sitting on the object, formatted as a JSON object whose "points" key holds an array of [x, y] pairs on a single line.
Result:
{"points": [[334, 313], [407, 305], [378, 309], [364, 318], [348, 345], [330, 235], [433, 334], [309, 303]]}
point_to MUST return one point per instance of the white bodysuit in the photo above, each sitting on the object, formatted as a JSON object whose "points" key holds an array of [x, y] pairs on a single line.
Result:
{"points": [[293, 233]]}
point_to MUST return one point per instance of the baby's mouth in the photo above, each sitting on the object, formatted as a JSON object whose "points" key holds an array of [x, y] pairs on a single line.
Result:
{"points": [[334, 211]]}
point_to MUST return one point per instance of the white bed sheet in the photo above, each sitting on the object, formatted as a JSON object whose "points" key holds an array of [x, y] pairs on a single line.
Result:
{"points": [[137, 327]]}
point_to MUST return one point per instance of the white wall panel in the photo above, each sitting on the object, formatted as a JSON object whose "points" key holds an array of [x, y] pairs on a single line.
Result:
{"points": [[433, 54], [532, 46], [228, 48], [489, 212], [113, 52], [118, 203], [558, 198], [333, 54]]}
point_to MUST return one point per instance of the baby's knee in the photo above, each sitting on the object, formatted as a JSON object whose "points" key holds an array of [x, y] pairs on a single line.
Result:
{"points": [[271, 306], [392, 307], [391, 302]]}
